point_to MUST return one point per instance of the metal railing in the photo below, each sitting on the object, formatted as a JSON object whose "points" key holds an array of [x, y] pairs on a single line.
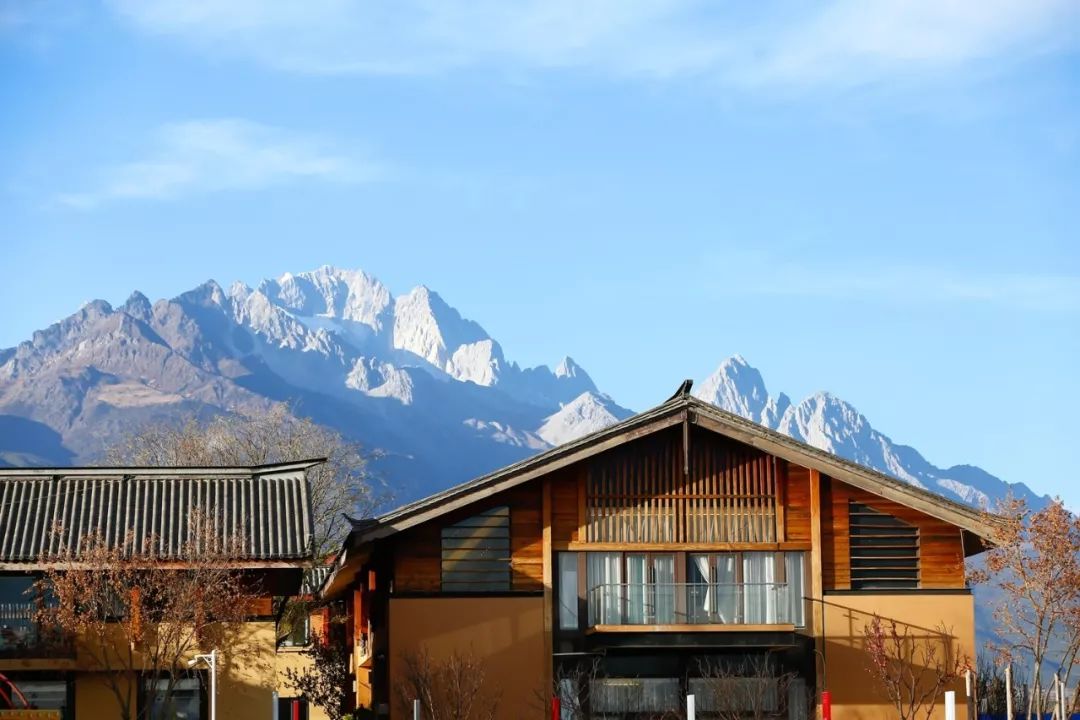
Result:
{"points": [[693, 604]]}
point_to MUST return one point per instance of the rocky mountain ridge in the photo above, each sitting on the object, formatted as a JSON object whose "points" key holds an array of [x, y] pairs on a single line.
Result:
{"points": [[405, 374]]}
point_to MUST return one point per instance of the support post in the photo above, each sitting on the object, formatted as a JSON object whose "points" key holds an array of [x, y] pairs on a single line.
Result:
{"points": [[416, 709], [826, 705], [1008, 692], [691, 710], [950, 705]]}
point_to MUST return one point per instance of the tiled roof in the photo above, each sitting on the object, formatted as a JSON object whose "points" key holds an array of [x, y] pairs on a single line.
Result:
{"points": [[268, 506]]}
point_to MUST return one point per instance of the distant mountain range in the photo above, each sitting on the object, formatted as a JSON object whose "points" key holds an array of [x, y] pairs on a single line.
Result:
{"points": [[406, 375]]}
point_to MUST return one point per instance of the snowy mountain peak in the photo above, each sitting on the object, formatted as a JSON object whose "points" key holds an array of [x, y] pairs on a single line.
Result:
{"points": [[567, 368], [738, 388], [584, 414]]}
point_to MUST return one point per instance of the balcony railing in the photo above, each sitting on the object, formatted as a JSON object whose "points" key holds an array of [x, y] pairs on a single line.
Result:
{"points": [[694, 604], [21, 636]]}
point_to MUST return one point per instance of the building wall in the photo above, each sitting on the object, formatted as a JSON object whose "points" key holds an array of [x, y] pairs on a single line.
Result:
{"points": [[504, 633], [941, 548], [856, 696], [418, 551]]}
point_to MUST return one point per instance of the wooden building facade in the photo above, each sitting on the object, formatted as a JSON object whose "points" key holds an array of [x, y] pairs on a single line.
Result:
{"points": [[685, 550]]}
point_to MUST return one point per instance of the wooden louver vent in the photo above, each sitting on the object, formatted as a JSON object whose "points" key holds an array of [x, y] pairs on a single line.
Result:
{"points": [[884, 550], [641, 495], [476, 553]]}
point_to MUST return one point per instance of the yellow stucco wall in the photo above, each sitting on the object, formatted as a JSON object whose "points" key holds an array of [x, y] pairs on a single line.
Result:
{"points": [[856, 695], [249, 671], [505, 634]]}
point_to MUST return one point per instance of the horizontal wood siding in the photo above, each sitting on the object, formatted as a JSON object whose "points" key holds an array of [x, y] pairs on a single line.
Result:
{"points": [[418, 551], [941, 552]]}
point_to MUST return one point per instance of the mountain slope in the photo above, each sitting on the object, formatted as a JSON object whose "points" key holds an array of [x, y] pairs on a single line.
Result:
{"points": [[407, 375]]}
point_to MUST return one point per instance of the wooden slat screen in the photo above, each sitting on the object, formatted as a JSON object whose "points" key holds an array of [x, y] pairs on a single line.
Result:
{"points": [[884, 550], [639, 494], [476, 553]]}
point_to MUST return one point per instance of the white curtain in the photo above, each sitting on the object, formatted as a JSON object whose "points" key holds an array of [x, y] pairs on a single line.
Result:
{"points": [[701, 590], [759, 588], [638, 606], [727, 591], [604, 574], [664, 587], [793, 570]]}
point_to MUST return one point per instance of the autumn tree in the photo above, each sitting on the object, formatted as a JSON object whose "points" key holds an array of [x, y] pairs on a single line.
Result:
{"points": [[1035, 569], [342, 485], [138, 615], [452, 689], [912, 670], [325, 680]]}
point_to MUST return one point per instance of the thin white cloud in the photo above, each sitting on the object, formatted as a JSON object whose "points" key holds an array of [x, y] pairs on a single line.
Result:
{"points": [[894, 283], [750, 44], [200, 156]]}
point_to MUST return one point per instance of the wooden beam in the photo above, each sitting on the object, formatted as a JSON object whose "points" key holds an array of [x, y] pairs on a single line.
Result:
{"points": [[690, 627], [548, 573], [816, 589], [689, 547]]}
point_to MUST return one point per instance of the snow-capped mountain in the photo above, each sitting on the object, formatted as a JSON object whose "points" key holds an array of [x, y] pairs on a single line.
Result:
{"points": [[827, 422], [405, 374]]}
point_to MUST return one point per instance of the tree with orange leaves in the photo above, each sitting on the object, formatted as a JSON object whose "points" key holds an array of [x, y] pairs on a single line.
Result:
{"points": [[1035, 568], [138, 614]]}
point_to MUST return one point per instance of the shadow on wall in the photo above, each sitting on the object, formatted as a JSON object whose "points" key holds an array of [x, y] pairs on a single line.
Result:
{"points": [[847, 673], [505, 636]]}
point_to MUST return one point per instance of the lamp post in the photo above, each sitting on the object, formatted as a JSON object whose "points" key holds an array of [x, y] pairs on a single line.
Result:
{"points": [[211, 662]]}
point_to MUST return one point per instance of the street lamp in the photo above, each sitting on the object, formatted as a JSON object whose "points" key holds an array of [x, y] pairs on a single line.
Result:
{"points": [[211, 662]]}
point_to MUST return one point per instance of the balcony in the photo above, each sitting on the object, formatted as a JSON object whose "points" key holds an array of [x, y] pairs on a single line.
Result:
{"points": [[22, 637], [704, 606]]}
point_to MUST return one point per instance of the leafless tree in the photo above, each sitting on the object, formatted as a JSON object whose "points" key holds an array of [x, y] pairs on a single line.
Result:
{"points": [[138, 616], [752, 688], [913, 670], [450, 689], [340, 486]]}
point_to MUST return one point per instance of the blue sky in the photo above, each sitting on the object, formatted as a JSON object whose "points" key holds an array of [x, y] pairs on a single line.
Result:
{"points": [[875, 197]]}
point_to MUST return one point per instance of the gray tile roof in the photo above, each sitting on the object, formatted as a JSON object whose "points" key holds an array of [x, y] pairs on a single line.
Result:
{"points": [[268, 505]]}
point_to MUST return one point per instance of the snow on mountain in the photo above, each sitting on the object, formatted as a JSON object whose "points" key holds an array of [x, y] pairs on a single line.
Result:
{"points": [[829, 423], [584, 414], [407, 375]]}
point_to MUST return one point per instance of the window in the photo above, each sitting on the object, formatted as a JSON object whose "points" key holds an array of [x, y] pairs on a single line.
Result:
{"points": [[614, 697], [753, 588], [476, 553], [568, 591], [299, 635], [186, 702], [631, 589], [884, 550], [43, 694], [17, 629]]}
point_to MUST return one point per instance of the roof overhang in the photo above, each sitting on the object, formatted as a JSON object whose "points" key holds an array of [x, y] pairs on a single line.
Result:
{"points": [[980, 529]]}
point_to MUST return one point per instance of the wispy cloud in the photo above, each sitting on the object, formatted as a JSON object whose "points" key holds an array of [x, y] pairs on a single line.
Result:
{"points": [[200, 156], [893, 283], [749, 44]]}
